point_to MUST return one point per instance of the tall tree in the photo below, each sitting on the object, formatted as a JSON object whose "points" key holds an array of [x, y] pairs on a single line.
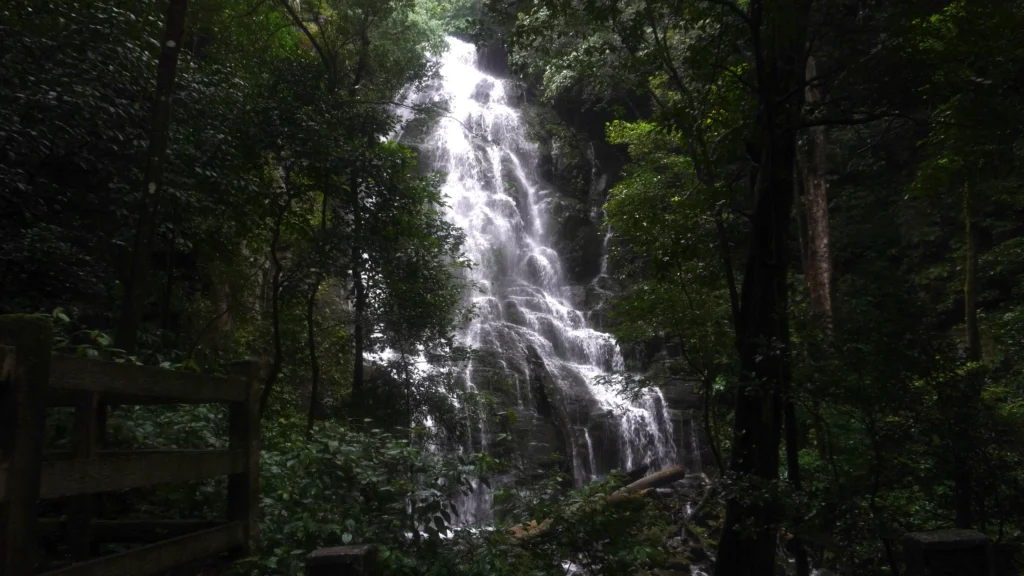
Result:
{"points": [[138, 265], [963, 445], [818, 261], [778, 36]]}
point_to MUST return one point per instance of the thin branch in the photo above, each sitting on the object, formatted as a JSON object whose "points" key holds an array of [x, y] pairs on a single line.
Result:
{"points": [[852, 120], [735, 9], [881, 137], [250, 11], [277, 31], [743, 81], [328, 63], [662, 47]]}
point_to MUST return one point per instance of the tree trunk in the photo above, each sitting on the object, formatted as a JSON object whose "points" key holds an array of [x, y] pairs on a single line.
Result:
{"points": [[364, 54], [359, 291], [818, 267], [963, 442], [165, 305], [730, 277], [709, 430], [779, 40], [145, 232], [275, 299], [803, 567], [971, 281], [314, 362], [360, 305], [763, 354]]}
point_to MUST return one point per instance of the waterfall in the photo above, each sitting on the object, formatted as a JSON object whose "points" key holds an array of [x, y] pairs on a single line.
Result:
{"points": [[556, 363]]}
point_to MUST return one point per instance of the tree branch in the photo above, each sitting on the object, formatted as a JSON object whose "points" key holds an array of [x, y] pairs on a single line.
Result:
{"points": [[735, 9], [297, 19], [851, 120]]}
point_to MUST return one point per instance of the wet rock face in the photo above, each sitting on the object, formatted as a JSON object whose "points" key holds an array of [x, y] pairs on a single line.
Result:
{"points": [[575, 159], [552, 422], [482, 92], [578, 240], [686, 410], [492, 58]]}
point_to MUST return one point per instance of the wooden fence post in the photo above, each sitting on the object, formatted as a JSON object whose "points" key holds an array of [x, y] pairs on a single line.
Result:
{"points": [[243, 488], [360, 560], [85, 435], [22, 417]]}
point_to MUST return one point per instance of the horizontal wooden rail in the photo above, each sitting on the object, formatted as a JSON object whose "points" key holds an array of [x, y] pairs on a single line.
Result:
{"points": [[7, 356], [4, 467], [31, 377], [128, 384], [120, 471], [161, 556], [130, 531], [69, 399]]}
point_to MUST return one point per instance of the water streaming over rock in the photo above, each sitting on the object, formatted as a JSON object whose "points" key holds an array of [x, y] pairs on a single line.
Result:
{"points": [[551, 360]]}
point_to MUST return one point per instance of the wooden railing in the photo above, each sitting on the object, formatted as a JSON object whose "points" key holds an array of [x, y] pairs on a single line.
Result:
{"points": [[31, 379]]}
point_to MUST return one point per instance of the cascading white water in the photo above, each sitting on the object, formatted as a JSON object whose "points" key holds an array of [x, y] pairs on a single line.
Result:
{"points": [[523, 305]]}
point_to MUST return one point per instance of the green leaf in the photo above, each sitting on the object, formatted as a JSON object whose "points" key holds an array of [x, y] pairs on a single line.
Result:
{"points": [[60, 315]]}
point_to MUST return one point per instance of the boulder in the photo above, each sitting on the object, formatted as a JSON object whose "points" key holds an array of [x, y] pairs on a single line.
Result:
{"points": [[678, 563], [942, 552], [359, 560], [482, 91]]}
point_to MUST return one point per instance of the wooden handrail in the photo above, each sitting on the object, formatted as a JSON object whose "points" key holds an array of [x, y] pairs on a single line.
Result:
{"points": [[135, 470], [162, 556], [4, 467], [129, 531], [31, 377], [145, 383], [22, 419]]}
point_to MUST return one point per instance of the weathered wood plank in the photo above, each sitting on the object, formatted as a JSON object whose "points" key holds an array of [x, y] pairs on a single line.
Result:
{"points": [[81, 508], [361, 560], [141, 382], [131, 531], [148, 531], [66, 399], [7, 355], [244, 431], [135, 469], [22, 422], [161, 556]]}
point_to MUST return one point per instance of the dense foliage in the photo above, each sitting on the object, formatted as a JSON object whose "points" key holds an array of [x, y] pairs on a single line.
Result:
{"points": [[899, 390]]}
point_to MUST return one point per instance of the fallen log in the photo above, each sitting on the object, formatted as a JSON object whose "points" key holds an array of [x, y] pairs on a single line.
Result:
{"points": [[640, 487], [656, 480]]}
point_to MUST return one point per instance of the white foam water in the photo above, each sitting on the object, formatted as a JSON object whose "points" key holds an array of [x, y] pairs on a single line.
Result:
{"points": [[523, 305]]}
